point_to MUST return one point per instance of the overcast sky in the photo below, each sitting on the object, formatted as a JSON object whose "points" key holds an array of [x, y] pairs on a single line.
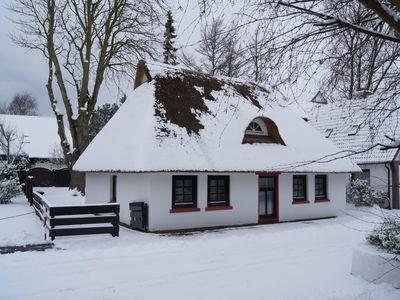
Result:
{"points": [[26, 71]]}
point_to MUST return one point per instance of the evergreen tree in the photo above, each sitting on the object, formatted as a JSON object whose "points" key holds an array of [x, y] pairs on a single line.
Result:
{"points": [[101, 115], [169, 37]]}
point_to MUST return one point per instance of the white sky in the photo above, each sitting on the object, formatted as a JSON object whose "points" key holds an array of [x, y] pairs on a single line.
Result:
{"points": [[26, 71]]}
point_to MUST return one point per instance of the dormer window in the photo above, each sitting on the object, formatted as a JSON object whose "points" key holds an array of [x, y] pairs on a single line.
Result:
{"points": [[328, 132], [353, 129], [256, 128], [262, 130]]}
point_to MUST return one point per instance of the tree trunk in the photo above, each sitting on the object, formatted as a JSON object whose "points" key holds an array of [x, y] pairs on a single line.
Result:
{"points": [[77, 181], [81, 126]]}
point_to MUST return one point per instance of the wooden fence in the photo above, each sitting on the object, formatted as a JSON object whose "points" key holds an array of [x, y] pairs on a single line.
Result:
{"points": [[68, 220]]}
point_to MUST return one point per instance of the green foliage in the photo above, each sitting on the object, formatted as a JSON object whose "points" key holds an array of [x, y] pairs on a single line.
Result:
{"points": [[169, 40], [101, 115]]}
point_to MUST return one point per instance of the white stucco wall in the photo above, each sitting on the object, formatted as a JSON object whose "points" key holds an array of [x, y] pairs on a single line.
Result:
{"points": [[336, 188], [378, 175], [156, 190], [130, 188], [97, 188], [243, 199]]}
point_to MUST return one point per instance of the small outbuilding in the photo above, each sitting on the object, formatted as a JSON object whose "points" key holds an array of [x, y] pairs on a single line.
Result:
{"points": [[205, 151], [37, 136]]}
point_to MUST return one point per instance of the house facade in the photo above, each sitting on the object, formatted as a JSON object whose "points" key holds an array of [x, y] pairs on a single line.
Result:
{"points": [[359, 129], [202, 151], [37, 136]]}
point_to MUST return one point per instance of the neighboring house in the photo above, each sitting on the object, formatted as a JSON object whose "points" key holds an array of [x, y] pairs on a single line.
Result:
{"points": [[38, 138], [204, 151], [355, 127]]}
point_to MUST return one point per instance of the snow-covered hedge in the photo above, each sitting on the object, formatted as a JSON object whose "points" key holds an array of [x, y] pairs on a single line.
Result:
{"points": [[387, 235], [9, 188], [361, 194]]}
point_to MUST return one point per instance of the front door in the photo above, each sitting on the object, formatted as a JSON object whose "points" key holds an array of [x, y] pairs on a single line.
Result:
{"points": [[268, 199]]}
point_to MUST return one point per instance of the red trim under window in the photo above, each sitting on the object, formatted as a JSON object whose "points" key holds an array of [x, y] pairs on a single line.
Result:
{"points": [[321, 200], [183, 210], [221, 207], [300, 202]]}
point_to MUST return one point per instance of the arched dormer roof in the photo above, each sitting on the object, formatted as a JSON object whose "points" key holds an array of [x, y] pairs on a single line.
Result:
{"points": [[262, 130]]}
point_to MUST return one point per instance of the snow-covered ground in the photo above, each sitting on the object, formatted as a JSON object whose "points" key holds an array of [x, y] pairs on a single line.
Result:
{"points": [[303, 260]]}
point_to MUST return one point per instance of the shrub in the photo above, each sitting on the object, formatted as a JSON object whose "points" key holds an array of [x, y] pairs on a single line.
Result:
{"points": [[387, 235], [9, 188], [361, 194]]}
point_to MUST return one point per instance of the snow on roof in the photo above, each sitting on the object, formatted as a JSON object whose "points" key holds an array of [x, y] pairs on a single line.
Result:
{"points": [[354, 126], [185, 121], [39, 133]]}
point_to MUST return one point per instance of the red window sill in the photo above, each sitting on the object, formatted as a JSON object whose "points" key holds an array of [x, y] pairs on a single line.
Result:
{"points": [[183, 210], [222, 207], [300, 202], [321, 200]]}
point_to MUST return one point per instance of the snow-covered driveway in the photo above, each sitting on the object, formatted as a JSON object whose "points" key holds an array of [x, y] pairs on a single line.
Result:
{"points": [[304, 260]]}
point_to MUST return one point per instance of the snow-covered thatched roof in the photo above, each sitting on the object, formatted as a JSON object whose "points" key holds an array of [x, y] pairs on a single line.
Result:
{"points": [[38, 134], [178, 120], [357, 125]]}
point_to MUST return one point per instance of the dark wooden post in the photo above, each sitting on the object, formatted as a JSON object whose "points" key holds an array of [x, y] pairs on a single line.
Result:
{"points": [[24, 173], [29, 185], [395, 184]]}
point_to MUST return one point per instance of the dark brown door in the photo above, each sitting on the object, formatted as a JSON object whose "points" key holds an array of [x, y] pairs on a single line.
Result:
{"points": [[268, 199]]}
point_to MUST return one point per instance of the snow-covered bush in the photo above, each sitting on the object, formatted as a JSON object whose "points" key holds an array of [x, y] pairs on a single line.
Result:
{"points": [[361, 194], [9, 188], [387, 235]]}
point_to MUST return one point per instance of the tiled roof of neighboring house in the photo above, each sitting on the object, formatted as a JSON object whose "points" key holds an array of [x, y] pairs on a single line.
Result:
{"points": [[178, 120], [356, 126], [39, 133]]}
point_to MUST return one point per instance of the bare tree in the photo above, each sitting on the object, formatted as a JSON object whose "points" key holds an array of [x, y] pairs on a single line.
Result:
{"points": [[212, 47], [23, 104], [260, 55], [361, 64], [10, 142], [218, 50], [85, 42], [233, 61], [3, 108], [57, 156]]}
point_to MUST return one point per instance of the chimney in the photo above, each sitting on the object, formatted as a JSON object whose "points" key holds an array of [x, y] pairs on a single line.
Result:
{"points": [[142, 74]]}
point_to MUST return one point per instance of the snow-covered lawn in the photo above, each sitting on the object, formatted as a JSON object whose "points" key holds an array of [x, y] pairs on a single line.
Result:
{"points": [[304, 260]]}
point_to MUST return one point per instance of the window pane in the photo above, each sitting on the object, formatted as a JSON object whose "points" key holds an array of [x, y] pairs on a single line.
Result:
{"points": [[299, 187], [217, 190], [213, 190], [184, 193], [262, 203], [270, 182], [187, 198], [320, 186], [270, 203], [263, 182]]}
